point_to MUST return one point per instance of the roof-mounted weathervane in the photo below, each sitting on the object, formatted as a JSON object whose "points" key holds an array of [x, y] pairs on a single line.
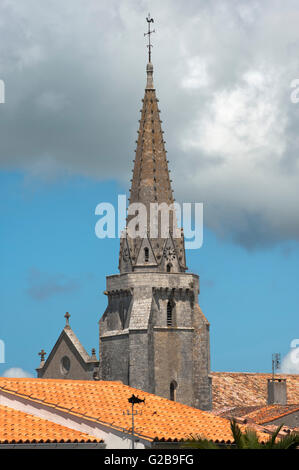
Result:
{"points": [[149, 21], [134, 400]]}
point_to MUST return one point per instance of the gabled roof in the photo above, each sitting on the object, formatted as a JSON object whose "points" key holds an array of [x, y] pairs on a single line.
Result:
{"points": [[19, 427], [68, 333], [73, 338], [231, 389], [107, 402]]}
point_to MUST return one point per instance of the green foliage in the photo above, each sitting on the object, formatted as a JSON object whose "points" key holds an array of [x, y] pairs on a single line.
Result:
{"points": [[196, 443], [246, 440]]}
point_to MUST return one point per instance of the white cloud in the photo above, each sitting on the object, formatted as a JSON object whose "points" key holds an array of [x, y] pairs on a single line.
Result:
{"points": [[242, 124], [290, 362], [75, 71], [16, 372], [196, 74]]}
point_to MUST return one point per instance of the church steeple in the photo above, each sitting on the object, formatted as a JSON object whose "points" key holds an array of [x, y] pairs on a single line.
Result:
{"points": [[151, 184], [151, 181], [153, 334]]}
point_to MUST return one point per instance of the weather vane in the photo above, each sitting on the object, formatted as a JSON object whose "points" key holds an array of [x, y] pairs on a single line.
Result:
{"points": [[149, 21], [134, 400]]}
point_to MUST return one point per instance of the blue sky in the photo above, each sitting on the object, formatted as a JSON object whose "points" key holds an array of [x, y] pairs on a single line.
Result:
{"points": [[52, 262]]}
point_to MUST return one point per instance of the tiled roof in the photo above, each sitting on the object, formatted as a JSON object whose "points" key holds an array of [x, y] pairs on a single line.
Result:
{"points": [[269, 413], [231, 389], [257, 414], [19, 427], [106, 402], [235, 411]]}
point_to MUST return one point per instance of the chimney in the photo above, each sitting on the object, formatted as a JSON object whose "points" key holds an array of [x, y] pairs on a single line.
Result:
{"points": [[277, 391]]}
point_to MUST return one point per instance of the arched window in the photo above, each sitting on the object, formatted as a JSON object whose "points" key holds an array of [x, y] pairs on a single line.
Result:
{"points": [[169, 314], [65, 365], [146, 254], [172, 389], [169, 268]]}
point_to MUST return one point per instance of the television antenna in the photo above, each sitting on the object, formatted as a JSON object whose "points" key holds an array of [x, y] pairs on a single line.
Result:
{"points": [[275, 363]]}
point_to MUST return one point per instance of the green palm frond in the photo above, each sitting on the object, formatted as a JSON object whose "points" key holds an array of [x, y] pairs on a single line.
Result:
{"points": [[291, 441], [271, 443], [200, 444], [237, 434], [251, 440], [197, 442], [245, 440]]}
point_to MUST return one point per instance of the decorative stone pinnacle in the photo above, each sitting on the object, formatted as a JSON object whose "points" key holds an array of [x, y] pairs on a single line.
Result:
{"points": [[149, 73], [42, 354], [67, 317]]}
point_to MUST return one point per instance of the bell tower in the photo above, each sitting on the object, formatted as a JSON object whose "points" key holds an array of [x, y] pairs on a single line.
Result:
{"points": [[153, 334]]}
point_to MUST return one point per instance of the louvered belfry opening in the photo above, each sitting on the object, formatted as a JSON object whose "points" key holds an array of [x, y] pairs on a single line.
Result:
{"points": [[169, 314]]}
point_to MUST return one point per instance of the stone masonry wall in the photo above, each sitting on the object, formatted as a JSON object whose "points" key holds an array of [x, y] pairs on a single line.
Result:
{"points": [[148, 354], [78, 370]]}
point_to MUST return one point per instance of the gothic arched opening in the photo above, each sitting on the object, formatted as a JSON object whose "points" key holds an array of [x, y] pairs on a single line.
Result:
{"points": [[172, 390], [168, 268], [146, 254]]}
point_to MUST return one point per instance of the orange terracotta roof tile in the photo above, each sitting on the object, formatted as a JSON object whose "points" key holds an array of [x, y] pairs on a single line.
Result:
{"points": [[235, 411], [285, 430], [269, 413], [106, 402], [19, 427], [232, 389]]}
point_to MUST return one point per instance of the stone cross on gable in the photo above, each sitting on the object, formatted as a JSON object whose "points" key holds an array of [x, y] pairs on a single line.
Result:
{"points": [[42, 354], [67, 317]]}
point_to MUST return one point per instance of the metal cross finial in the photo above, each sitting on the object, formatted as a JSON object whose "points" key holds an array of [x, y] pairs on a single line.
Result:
{"points": [[42, 355], [67, 317], [149, 21]]}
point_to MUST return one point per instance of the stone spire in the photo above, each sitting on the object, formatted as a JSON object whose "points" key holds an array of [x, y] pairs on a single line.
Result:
{"points": [[151, 181], [150, 184]]}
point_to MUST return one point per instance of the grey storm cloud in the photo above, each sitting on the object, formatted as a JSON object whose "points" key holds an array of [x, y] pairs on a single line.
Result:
{"points": [[74, 73], [41, 285]]}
